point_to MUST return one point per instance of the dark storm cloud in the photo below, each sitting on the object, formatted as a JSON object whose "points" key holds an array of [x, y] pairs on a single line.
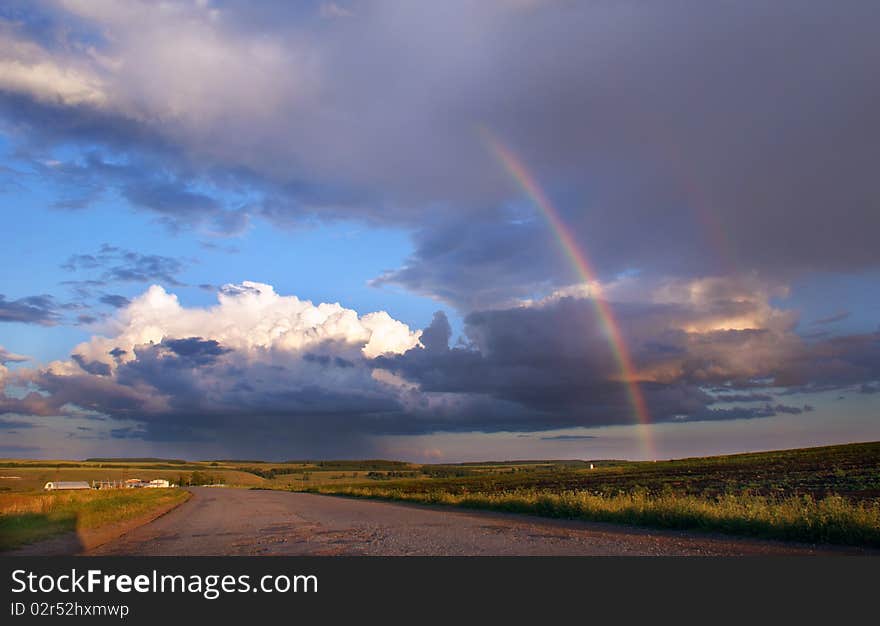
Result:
{"points": [[683, 139], [195, 349], [722, 130], [555, 361], [193, 389], [88, 391], [40, 310], [525, 369], [435, 338]]}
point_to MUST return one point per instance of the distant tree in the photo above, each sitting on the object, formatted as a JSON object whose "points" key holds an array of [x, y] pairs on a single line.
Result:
{"points": [[200, 478]]}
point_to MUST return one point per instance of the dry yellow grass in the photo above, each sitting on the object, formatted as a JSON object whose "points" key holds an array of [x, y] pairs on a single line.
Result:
{"points": [[833, 519], [33, 478], [25, 518]]}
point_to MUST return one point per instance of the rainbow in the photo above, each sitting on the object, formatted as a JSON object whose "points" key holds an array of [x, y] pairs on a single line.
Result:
{"points": [[581, 263]]}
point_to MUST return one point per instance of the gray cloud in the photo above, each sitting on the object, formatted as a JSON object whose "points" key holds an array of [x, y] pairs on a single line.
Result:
{"points": [[95, 368], [10, 357], [196, 350], [831, 319], [744, 397], [40, 310], [6, 424], [724, 132], [792, 410], [435, 338], [524, 369], [115, 300], [116, 264], [674, 139], [555, 361], [482, 262], [568, 438]]}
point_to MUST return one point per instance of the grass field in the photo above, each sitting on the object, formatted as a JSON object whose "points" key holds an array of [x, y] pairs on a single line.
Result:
{"points": [[827, 494], [29, 517], [32, 479], [18, 475], [29, 514]]}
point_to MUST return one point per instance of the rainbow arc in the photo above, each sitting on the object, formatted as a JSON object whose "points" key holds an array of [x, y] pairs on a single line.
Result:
{"points": [[580, 261]]}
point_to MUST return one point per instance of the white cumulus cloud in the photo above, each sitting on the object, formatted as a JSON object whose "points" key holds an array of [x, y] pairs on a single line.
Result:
{"points": [[250, 319]]}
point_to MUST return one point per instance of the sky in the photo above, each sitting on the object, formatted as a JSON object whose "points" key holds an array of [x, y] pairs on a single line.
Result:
{"points": [[437, 231]]}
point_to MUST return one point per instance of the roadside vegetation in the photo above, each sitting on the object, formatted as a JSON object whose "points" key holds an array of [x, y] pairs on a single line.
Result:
{"points": [[29, 517], [830, 520], [826, 494], [819, 495]]}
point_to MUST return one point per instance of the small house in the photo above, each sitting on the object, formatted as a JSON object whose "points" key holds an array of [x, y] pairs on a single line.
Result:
{"points": [[159, 483]]}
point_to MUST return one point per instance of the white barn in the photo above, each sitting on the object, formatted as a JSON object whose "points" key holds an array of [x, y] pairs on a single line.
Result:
{"points": [[71, 484]]}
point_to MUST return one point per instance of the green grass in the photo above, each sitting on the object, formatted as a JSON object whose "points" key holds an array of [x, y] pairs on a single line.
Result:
{"points": [[851, 471], [826, 495], [29, 517], [31, 478], [830, 520]]}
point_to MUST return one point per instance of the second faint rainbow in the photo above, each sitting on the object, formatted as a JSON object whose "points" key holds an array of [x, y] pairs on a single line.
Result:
{"points": [[579, 260]]}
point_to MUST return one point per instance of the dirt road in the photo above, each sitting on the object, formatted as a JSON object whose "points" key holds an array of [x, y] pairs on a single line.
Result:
{"points": [[242, 522]]}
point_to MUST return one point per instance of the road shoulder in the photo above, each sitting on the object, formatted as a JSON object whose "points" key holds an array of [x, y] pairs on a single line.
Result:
{"points": [[80, 541]]}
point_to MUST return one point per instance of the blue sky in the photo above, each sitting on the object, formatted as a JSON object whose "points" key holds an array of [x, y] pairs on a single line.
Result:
{"points": [[182, 188], [322, 262]]}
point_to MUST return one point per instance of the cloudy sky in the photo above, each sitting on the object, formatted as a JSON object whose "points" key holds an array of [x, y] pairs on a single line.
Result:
{"points": [[453, 230]]}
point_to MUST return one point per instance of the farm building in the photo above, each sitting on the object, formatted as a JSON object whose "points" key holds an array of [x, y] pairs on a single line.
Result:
{"points": [[107, 484], [75, 484], [134, 483]]}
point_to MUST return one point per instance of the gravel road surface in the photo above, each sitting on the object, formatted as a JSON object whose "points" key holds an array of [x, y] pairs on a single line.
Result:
{"points": [[217, 521]]}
